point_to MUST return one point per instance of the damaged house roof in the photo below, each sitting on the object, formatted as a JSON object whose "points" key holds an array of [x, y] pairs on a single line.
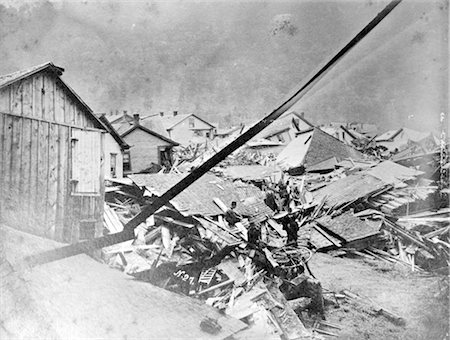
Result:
{"points": [[349, 227], [197, 199], [314, 146], [393, 173], [249, 172], [349, 189]]}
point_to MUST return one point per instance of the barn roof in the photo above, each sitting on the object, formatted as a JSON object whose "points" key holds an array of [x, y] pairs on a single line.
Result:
{"points": [[8, 79]]}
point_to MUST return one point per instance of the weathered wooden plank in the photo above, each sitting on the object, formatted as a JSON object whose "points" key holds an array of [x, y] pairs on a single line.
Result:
{"points": [[2, 162], [61, 105], [63, 144], [4, 99], [27, 97], [72, 111], [37, 96], [43, 97], [16, 98], [16, 148], [52, 183], [34, 154], [8, 133], [49, 97], [25, 171], [43, 176]]}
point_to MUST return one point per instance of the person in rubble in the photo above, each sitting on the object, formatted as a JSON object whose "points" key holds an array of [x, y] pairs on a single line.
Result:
{"points": [[231, 216], [290, 225]]}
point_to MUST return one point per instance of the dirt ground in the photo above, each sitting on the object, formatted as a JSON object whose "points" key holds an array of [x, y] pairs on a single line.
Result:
{"points": [[417, 298]]}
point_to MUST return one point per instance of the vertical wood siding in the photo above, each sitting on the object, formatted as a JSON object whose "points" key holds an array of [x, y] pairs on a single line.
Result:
{"points": [[36, 159]]}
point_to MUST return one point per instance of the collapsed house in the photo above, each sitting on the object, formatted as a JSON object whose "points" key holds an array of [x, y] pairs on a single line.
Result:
{"points": [[315, 150]]}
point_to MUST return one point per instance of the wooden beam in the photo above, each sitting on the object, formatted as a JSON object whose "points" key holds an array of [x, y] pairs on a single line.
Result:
{"points": [[302, 89]]}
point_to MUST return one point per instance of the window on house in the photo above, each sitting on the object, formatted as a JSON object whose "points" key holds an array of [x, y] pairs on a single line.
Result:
{"points": [[281, 138], [126, 161], [113, 165], [191, 122], [86, 161], [208, 134]]}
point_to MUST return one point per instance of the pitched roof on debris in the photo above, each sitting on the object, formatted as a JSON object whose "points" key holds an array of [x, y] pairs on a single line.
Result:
{"points": [[197, 199], [393, 173], [249, 172], [314, 146], [348, 189], [349, 227]]}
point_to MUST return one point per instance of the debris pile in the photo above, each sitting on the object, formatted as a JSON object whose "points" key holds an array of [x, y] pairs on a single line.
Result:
{"points": [[219, 242]]}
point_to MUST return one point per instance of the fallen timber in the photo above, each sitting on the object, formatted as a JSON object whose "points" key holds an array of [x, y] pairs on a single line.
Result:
{"points": [[128, 232]]}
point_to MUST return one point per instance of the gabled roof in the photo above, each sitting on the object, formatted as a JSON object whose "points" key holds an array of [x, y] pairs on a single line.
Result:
{"points": [[8, 79], [282, 124], [113, 132], [313, 146], [388, 135], [171, 121], [143, 128]]}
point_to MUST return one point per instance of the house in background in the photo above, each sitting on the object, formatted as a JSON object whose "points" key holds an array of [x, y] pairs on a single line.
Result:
{"points": [[398, 140], [285, 128], [51, 151], [115, 149], [147, 147], [348, 136], [184, 128], [315, 150]]}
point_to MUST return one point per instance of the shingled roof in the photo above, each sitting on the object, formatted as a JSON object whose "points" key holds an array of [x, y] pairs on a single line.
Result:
{"points": [[313, 146], [197, 199]]}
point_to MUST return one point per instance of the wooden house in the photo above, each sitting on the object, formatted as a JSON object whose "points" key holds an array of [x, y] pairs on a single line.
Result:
{"points": [[115, 148], [315, 150], [398, 140], [184, 128], [345, 135], [147, 147], [51, 149], [285, 128]]}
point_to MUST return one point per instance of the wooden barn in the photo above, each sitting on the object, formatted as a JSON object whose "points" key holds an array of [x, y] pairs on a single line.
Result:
{"points": [[51, 152]]}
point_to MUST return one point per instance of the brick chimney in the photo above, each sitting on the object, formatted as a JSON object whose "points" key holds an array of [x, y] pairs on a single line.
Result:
{"points": [[175, 113], [161, 113], [136, 118]]}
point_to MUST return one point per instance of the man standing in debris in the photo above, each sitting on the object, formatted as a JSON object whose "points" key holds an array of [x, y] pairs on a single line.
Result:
{"points": [[231, 216], [290, 225]]}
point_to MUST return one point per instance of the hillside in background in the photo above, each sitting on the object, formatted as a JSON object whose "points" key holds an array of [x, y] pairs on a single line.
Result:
{"points": [[236, 60]]}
